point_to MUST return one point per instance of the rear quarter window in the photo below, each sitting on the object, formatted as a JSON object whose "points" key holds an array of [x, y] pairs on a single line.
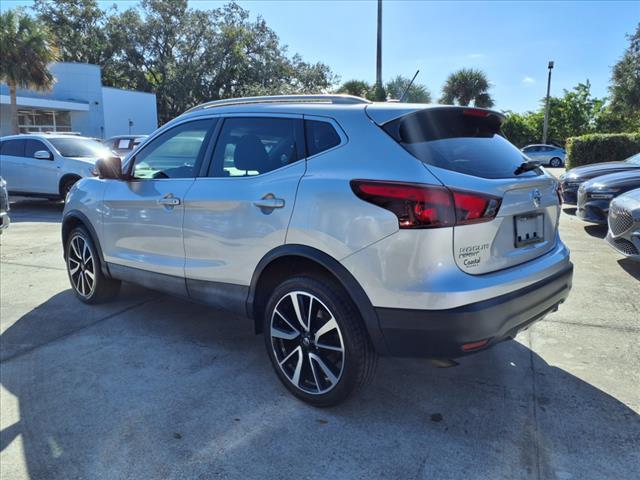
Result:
{"points": [[320, 136], [455, 140]]}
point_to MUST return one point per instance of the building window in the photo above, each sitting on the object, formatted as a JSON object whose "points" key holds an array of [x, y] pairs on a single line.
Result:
{"points": [[44, 121]]}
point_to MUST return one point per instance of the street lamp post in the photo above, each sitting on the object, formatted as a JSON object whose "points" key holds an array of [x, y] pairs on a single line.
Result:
{"points": [[378, 89], [545, 128]]}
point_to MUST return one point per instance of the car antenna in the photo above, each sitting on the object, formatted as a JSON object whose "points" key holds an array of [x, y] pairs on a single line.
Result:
{"points": [[406, 90]]}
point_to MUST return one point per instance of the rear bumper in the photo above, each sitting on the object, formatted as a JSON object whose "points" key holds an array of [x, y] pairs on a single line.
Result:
{"points": [[442, 333]]}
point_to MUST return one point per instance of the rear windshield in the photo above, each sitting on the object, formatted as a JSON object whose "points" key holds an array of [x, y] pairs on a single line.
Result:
{"points": [[79, 147], [458, 139]]}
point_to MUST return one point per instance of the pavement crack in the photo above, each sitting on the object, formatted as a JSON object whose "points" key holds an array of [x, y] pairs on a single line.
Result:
{"points": [[34, 266], [595, 325], [73, 332]]}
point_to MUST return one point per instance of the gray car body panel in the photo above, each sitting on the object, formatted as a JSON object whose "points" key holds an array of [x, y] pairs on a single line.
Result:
{"points": [[220, 237]]}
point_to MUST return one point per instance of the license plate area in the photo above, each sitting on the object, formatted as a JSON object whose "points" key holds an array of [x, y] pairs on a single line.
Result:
{"points": [[528, 229]]}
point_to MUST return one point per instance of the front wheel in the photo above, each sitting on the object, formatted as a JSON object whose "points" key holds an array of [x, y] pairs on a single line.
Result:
{"points": [[84, 270], [555, 162], [316, 341]]}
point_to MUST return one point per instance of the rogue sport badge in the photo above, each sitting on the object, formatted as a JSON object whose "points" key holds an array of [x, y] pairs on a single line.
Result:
{"points": [[536, 196]]}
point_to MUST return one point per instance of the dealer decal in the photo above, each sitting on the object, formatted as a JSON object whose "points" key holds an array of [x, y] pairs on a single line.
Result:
{"points": [[473, 255]]}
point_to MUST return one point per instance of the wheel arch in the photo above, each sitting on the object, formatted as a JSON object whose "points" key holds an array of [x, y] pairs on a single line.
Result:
{"points": [[289, 260], [64, 179], [74, 219]]}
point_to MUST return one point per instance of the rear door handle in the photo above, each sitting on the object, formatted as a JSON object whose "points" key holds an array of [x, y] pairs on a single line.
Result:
{"points": [[169, 200], [269, 202]]}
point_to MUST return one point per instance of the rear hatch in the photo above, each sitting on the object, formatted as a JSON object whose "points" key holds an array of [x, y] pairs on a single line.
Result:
{"points": [[462, 147]]}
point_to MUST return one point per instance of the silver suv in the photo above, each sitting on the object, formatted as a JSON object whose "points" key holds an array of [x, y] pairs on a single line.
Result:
{"points": [[344, 229]]}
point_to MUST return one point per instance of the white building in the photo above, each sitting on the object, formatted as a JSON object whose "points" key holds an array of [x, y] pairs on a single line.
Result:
{"points": [[79, 103]]}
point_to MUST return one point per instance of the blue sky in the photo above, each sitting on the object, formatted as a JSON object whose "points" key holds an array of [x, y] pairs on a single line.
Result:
{"points": [[511, 41]]}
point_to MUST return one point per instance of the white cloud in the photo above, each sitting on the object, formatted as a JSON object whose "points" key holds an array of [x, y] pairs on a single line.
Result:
{"points": [[528, 80], [476, 55]]}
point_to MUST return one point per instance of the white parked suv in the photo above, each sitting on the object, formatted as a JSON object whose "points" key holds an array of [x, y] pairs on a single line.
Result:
{"points": [[47, 165], [344, 229]]}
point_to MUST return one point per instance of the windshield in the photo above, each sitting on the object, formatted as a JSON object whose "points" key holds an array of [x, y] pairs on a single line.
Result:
{"points": [[635, 159], [79, 147]]}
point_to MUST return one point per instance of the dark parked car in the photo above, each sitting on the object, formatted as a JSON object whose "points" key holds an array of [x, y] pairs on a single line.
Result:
{"points": [[595, 195], [571, 181], [624, 224], [4, 205]]}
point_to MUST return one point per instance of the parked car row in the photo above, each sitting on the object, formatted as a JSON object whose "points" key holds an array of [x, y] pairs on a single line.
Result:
{"points": [[599, 192]]}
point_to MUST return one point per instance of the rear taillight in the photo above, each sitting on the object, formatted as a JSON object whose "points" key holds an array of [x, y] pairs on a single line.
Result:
{"points": [[427, 206]]}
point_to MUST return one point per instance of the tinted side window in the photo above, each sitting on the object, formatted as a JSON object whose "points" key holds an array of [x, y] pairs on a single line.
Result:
{"points": [[175, 153], [14, 148], [320, 136], [251, 146], [32, 146]]}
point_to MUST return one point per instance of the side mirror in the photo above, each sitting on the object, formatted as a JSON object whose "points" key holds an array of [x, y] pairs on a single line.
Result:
{"points": [[109, 168], [43, 155]]}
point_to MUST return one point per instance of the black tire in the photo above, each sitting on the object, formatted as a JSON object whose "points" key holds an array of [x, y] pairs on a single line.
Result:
{"points": [[315, 385], [555, 162], [66, 185], [81, 263]]}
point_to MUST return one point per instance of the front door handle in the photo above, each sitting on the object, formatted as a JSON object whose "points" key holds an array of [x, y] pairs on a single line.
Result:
{"points": [[269, 202], [169, 200]]}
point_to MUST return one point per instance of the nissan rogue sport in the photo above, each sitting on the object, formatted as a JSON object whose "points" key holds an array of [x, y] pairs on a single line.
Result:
{"points": [[344, 229]]}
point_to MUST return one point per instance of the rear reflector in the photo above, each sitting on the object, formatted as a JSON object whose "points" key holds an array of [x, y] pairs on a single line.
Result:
{"points": [[427, 206], [468, 347]]}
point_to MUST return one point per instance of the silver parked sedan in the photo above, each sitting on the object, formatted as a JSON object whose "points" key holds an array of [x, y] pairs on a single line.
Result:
{"points": [[548, 155], [624, 224]]}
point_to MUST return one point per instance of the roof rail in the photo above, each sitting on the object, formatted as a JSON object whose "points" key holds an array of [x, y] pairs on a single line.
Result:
{"points": [[335, 99]]}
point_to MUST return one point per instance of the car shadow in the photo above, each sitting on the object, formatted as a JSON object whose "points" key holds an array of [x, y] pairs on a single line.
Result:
{"points": [[598, 231], [632, 267], [161, 388], [570, 210], [35, 210]]}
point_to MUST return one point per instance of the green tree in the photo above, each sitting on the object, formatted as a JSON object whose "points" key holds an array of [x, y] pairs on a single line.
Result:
{"points": [[465, 86], [359, 88], [625, 87], [27, 51], [78, 27], [417, 93], [522, 129], [189, 56]]}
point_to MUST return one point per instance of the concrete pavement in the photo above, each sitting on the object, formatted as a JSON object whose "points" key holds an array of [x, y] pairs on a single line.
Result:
{"points": [[151, 387]]}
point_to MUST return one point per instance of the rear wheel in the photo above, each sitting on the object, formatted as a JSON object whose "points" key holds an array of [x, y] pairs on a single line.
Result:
{"points": [[316, 341], [84, 269], [555, 162]]}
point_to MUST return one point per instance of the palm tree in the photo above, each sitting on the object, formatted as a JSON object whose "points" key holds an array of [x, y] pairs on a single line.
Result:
{"points": [[27, 50], [465, 86]]}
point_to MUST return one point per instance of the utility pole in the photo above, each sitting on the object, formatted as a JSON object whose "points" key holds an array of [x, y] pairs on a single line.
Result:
{"points": [[545, 128], [379, 92]]}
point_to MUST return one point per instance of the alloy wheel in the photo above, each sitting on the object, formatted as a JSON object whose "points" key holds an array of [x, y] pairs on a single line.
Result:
{"points": [[307, 343], [81, 265]]}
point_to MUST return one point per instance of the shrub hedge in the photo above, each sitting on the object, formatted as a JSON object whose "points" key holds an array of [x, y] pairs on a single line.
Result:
{"points": [[601, 147]]}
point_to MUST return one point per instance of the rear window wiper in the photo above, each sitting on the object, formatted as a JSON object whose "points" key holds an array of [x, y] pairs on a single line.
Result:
{"points": [[526, 167]]}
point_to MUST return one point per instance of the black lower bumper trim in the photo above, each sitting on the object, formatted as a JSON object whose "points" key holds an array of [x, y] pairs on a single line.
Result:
{"points": [[441, 333]]}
